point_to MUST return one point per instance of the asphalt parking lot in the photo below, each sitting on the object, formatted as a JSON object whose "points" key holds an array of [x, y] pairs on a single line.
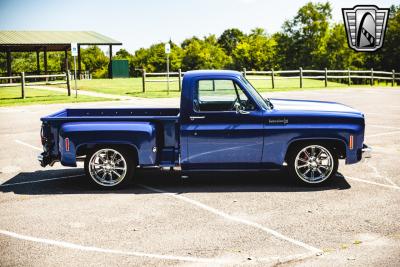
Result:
{"points": [[52, 216]]}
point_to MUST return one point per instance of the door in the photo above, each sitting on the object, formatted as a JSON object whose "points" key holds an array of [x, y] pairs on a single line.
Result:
{"points": [[225, 130]]}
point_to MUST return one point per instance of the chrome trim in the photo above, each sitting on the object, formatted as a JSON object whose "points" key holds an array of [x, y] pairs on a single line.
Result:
{"points": [[192, 118]]}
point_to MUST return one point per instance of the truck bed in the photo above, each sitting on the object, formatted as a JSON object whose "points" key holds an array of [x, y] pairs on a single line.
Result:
{"points": [[165, 120], [126, 114]]}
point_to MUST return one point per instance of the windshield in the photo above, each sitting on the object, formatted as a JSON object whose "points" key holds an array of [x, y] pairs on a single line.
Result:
{"points": [[265, 103]]}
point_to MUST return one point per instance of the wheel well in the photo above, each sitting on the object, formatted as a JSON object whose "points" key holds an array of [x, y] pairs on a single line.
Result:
{"points": [[83, 150], [336, 145]]}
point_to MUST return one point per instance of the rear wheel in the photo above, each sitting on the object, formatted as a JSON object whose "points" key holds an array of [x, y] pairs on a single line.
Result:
{"points": [[313, 163], [109, 167]]}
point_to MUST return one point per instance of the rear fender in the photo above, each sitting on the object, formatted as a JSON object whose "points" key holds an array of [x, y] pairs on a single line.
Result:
{"points": [[140, 136]]}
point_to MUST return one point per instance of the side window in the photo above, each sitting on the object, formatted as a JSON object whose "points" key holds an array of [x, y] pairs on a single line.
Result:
{"points": [[218, 95], [216, 90]]}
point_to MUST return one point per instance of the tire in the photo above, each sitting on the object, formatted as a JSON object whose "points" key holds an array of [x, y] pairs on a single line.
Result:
{"points": [[110, 167], [312, 164]]}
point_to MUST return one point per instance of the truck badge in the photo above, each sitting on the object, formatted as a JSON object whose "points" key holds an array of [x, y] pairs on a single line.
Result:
{"points": [[365, 27]]}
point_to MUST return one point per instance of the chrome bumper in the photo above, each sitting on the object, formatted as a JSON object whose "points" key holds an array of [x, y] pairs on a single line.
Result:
{"points": [[366, 152]]}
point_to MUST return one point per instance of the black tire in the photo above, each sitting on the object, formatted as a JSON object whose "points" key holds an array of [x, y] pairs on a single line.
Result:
{"points": [[128, 158], [297, 175]]}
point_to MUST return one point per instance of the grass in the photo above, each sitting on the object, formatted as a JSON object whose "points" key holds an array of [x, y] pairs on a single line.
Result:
{"points": [[133, 86], [129, 87], [11, 96]]}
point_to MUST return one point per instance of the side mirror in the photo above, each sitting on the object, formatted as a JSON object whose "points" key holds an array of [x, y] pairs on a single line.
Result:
{"points": [[239, 108]]}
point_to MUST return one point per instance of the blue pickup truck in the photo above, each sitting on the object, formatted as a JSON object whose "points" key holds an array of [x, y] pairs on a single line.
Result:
{"points": [[223, 123]]}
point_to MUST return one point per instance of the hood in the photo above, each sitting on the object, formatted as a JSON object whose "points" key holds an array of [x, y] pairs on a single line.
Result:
{"points": [[312, 106]]}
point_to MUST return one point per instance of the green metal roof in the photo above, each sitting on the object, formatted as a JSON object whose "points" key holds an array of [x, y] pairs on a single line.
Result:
{"points": [[53, 40]]}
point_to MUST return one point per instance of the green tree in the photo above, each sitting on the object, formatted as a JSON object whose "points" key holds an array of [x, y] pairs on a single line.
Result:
{"points": [[122, 54], [339, 55], [305, 36], [204, 54], [390, 52], [255, 51], [229, 39], [154, 58], [95, 61]]}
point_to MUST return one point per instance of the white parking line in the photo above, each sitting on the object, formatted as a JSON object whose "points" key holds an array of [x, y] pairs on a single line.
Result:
{"points": [[382, 134], [42, 180], [111, 251], [236, 219], [380, 176], [28, 145], [374, 183]]}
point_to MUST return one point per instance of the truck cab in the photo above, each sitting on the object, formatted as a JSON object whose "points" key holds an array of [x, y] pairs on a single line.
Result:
{"points": [[223, 123]]}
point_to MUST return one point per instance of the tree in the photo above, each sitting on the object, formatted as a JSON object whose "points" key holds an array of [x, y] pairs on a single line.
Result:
{"points": [[95, 61], [229, 39], [204, 54], [188, 41], [123, 54], [390, 52], [306, 35], [154, 58], [255, 51], [339, 55]]}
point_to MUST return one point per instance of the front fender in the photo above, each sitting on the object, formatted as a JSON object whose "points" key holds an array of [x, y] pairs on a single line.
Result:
{"points": [[138, 135], [278, 139]]}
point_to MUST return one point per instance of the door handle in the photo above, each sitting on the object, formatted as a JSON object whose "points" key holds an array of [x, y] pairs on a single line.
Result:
{"points": [[192, 118]]}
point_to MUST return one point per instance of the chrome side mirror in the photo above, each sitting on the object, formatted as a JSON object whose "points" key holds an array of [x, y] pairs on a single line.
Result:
{"points": [[240, 109]]}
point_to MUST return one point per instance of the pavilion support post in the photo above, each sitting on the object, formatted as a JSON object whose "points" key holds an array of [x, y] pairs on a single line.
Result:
{"points": [[79, 62], [9, 64], [110, 64], [38, 62], [45, 63]]}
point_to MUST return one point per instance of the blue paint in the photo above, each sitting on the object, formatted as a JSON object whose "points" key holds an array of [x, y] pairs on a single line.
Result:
{"points": [[217, 140]]}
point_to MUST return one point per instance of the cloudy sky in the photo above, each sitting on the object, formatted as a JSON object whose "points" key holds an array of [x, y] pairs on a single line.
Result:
{"points": [[141, 23]]}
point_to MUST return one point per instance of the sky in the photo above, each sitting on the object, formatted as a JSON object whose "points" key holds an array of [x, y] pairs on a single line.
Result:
{"points": [[142, 23]]}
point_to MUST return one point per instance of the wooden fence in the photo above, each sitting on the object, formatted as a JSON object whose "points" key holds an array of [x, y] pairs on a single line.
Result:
{"points": [[176, 77], [24, 80], [325, 74], [300, 74]]}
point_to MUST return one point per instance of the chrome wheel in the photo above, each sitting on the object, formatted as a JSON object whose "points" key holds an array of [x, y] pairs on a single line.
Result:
{"points": [[314, 164], [107, 167]]}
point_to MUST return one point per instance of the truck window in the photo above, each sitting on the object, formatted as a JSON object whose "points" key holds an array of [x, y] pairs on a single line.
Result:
{"points": [[220, 95]]}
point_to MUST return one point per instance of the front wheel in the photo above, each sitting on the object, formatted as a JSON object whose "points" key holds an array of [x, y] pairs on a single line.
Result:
{"points": [[313, 163], [109, 167]]}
